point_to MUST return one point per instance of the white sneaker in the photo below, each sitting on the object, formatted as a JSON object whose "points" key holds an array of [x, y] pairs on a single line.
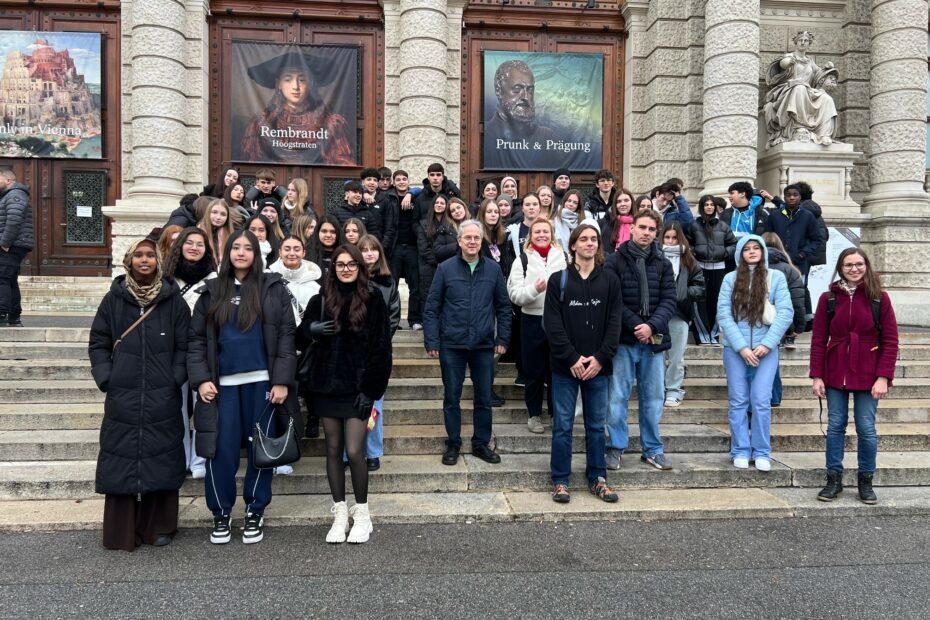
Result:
{"points": [[198, 472], [337, 533], [283, 470], [741, 462], [763, 464], [672, 402], [361, 524]]}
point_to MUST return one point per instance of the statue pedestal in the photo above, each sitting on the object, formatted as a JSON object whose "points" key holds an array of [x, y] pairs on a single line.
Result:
{"points": [[828, 169]]}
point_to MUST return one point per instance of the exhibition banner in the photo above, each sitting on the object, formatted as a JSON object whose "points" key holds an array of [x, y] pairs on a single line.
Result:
{"points": [[294, 104], [543, 111], [50, 94]]}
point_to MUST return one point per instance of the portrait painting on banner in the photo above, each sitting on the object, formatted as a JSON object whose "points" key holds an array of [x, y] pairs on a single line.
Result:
{"points": [[50, 93], [294, 104], [542, 111]]}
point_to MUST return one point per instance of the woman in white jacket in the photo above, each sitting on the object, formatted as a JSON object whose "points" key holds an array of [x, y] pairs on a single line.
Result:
{"points": [[190, 262], [542, 256]]}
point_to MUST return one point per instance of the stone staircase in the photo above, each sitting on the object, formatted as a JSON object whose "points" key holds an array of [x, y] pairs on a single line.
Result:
{"points": [[50, 413], [62, 294]]}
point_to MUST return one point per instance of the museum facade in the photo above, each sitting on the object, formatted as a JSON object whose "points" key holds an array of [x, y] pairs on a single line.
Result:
{"points": [[653, 88]]}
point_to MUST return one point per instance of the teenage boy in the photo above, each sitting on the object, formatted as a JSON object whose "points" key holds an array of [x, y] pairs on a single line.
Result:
{"points": [[672, 206], [370, 178], [354, 207], [602, 197], [561, 183], [648, 288], [467, 323], [582, 318], [434, 184], [265, 187], [745, 215], [400, 243]]}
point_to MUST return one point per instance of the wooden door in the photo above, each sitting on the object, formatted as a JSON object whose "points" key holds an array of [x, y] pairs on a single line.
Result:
{"points": [[552, 29], [72, 237]]}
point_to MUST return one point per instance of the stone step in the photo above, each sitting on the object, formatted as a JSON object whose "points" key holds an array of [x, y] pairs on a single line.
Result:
{"points": [[497, 507], [64, 445], [88, 416], [43, 480]]}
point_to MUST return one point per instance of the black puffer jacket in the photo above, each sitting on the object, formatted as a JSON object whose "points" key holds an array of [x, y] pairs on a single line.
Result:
{"points": [[689, 288], [348, 363], [818, 257], [779, 262], [141, 447], [16, 218], [183, 216], [431, 251], [278, 333], [718, 246]]}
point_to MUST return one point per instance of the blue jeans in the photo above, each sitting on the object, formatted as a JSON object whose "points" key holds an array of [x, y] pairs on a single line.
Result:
{"points": [[452, 363], [777, 388], [594, 400], [747, 388], [864, 407], [637, 361]]}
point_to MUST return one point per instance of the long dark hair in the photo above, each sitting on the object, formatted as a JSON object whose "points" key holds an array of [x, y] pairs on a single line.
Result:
{"points": [[315, 249], [750, 292], [219, 188], [687, 257], [227, 195], [335, 300], [444, 219], [871, 281], [176, 253], [613, 217], [222, 310], [270, 237], [707, 221]]}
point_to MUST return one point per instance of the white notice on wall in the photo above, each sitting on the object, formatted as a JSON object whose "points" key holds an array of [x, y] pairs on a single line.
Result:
{"points": [[85, 211]]}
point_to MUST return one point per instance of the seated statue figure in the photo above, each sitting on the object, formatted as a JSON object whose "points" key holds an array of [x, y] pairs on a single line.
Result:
{"points": [[798, 107]]}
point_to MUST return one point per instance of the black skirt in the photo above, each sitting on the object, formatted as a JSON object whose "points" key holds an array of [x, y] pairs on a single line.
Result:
{"points": [[341, 406]]}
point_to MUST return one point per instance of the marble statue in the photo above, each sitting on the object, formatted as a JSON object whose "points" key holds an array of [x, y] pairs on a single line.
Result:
{"points": [[798, 107]]}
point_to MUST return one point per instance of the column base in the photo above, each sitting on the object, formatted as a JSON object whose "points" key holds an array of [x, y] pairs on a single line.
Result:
{"points": [[133, 219]]}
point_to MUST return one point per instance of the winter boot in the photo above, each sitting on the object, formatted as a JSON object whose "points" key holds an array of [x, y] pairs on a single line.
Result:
{"points": [[866, 494], [361, 524], [834, 487], [337, 533]]}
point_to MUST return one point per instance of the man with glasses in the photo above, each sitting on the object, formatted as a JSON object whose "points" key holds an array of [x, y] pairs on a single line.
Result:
{"points": [[467, 321]]}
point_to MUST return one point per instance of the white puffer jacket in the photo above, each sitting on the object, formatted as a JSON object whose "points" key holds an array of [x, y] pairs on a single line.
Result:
{"points": [[522, 288], [301, 282]]}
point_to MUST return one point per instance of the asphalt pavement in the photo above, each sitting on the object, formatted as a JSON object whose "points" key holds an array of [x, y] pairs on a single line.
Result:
{"points": [[861, 567]]}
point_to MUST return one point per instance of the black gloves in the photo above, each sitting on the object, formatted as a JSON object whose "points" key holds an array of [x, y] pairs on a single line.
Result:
{"points": [[322, 328], [363, 406]]}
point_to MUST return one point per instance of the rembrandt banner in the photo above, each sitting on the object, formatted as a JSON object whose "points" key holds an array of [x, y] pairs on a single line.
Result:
{"points": [[543, 111], [50, 94], [294, 104]]}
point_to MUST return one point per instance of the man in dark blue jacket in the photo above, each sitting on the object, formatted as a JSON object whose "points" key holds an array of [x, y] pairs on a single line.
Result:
{"points": [[16, 241], [647, 284], [467, 295], [798, 230]]}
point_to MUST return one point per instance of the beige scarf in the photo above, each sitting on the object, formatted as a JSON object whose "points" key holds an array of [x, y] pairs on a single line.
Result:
{"points": [[144, 294]]}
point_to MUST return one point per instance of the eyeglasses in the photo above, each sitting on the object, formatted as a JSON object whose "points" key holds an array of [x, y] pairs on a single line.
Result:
{"points": [[194, 244], [350, 266], [854, 266]]}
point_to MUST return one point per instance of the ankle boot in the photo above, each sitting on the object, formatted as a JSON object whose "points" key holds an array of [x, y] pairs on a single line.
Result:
{"points": [[834, 487], [361, 524], [313, 427], [337, 533], [866, 494]]}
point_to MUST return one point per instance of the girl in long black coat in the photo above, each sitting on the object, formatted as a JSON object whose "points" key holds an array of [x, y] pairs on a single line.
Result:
{"points": [[437, 240], [141, 464]]}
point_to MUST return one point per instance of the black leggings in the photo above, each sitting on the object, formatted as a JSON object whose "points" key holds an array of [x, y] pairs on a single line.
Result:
{"points": [[348, 435]]}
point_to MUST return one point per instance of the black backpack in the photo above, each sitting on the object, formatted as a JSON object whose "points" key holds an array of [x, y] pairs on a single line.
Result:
{"points": [[876, 312]]}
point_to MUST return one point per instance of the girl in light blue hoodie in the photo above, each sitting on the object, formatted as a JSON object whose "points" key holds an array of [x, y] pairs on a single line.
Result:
{"points": [[751, 332]]}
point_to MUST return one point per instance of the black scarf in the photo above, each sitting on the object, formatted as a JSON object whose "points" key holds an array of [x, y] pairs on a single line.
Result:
{"points": [[640, 255], [192, 273]]}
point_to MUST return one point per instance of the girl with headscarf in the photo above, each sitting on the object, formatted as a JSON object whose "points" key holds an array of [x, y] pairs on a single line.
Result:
{"points": [[138, 345]]}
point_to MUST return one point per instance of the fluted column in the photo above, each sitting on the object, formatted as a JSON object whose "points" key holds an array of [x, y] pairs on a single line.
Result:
{"points": [[731, 92], [897, 108]]}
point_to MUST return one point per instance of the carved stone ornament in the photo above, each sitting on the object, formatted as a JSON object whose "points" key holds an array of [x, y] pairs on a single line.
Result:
{"points": [[798, 107]]}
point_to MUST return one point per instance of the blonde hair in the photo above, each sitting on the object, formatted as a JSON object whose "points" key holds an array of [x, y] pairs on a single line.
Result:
{"points": [[529, 234], [303, 193], [216, 237]]}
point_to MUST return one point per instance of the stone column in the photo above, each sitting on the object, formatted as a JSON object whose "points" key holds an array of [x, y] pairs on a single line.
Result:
{"points": [[731, 93], [634, 17], [417, 115], [896, 235], [164, 109]]}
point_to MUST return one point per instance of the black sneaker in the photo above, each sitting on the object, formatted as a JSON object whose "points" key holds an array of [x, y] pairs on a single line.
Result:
{"points": [[373, 464], [790, 343], [450, 456], [15, 322], [659, 461], [520, 381], [221, 533], [485, 453], [253, 530], [497, 400]]}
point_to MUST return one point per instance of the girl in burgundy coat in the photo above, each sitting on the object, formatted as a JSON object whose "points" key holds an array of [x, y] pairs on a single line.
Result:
{"points": [[850, 356]]}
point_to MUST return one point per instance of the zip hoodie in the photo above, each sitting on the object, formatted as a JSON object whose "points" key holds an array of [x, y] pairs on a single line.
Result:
{"points": [[585, 320], [739, 335]]}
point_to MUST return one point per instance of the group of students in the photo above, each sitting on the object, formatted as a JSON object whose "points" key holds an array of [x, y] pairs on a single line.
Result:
{"points": [[600, 291]]}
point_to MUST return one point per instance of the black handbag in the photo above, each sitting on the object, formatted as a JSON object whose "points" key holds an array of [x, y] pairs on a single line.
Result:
{"points": [[269, 452]]}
